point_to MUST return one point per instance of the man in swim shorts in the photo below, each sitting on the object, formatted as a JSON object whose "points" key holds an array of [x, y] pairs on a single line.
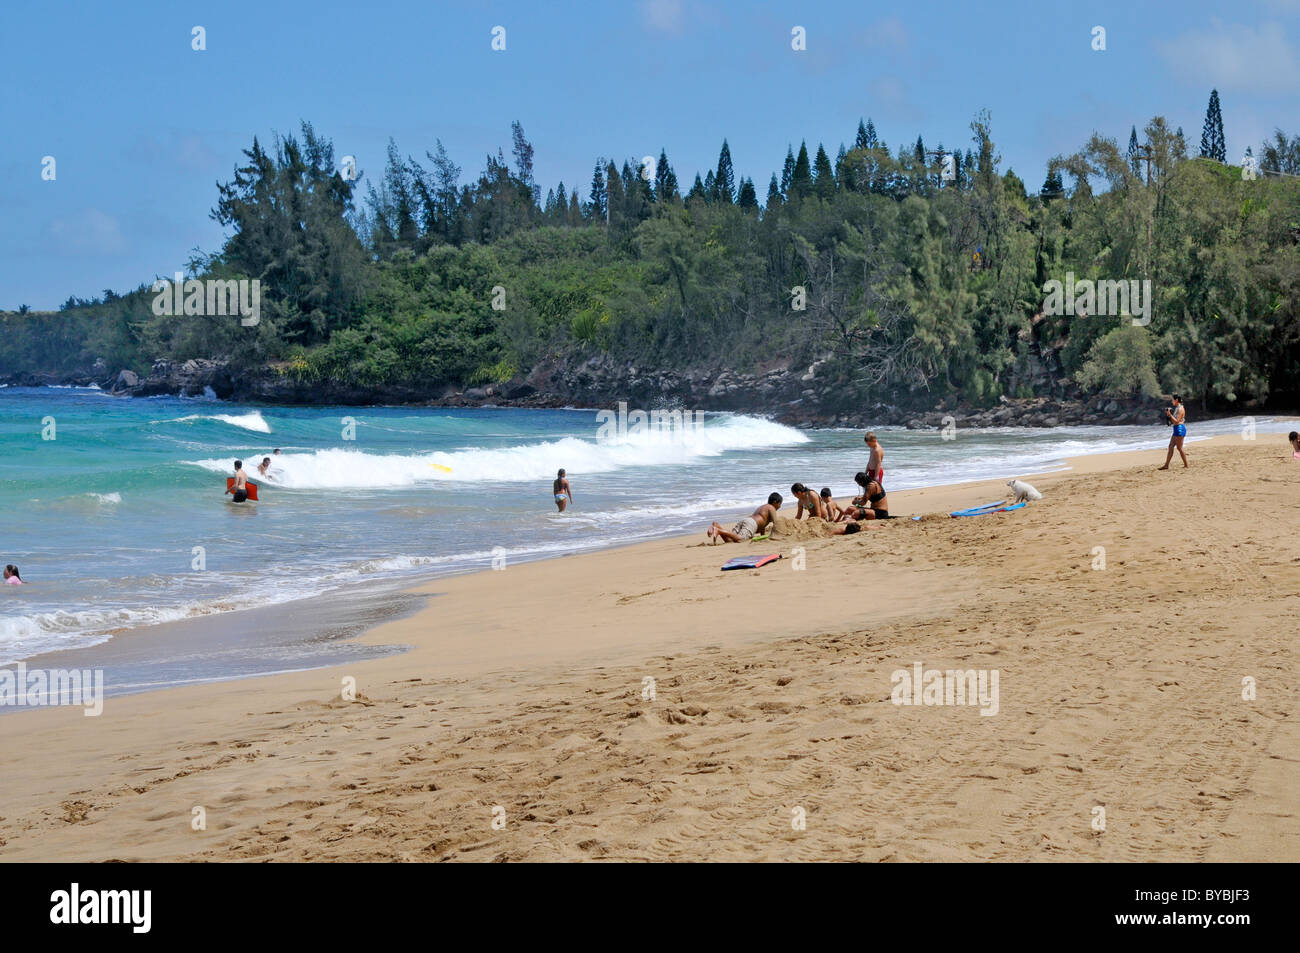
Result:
{"points": [[876, 462], [240, 489], [752, 525], [561, 490], [1176, 415]]}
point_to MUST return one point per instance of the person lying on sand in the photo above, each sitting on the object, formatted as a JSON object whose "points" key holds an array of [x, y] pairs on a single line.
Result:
{"points": [[833, 509], [872, 505], [755, 524], [808, 501]]}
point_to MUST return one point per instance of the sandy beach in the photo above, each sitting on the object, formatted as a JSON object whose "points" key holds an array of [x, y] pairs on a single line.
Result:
{"points": [[518, 726]]}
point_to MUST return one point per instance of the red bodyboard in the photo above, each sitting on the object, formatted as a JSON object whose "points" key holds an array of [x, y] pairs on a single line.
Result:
{"points": [[248, 484]]}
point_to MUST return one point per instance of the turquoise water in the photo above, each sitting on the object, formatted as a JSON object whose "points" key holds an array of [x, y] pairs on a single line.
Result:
{"points": [[104, 519]]}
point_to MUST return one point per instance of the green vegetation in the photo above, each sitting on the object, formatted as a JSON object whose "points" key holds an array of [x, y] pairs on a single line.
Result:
{"points": [[921, 272]]}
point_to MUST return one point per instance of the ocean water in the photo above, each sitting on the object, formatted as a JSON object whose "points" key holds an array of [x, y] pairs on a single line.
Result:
{"points": [[121, 521]]}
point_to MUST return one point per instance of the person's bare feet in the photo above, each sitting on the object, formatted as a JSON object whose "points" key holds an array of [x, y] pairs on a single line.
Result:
{"points": [[1165, 467]]}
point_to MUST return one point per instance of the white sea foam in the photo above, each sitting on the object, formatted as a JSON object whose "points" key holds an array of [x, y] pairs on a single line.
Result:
{"points": [[252, 421], [355, 469]]}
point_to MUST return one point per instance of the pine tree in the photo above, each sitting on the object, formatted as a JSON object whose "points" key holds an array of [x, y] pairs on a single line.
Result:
{"points": [[748, 198], [787, 171], [871, 139], [773, 194], [614, 201], [575, 210], [823, 174], [710, 186], [843, 175], [596, 207], [724, 181], [665, 179], [1053, 187], [697, 190], [1212, 144], [523, 151], [861, 141], [801, 182], [1132, 155]]}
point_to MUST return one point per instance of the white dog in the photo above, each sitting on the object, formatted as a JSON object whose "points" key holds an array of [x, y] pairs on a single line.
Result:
{"points": [[1023, 491]]}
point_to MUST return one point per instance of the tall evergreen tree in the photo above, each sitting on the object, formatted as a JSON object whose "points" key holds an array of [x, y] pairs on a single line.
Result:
{"points": [[597, 205], [725, 180], [710, 187], [665, 179], [871, 139], [823, 174], [1134, 162], [861, 141], [748, 198], [697, 190], [773, 194], [801, 181], [1212, 144], [787, 171]]}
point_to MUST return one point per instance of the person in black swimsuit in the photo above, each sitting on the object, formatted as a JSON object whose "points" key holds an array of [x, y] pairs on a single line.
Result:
{"points": [[871, 505]]}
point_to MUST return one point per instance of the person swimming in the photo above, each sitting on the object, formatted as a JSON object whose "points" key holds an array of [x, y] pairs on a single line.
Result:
{"points": [[11, 576], [561, 489], [264, 466]]}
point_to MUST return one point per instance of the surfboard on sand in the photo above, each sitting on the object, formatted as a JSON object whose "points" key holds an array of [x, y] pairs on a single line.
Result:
{"points": [[997, 506], [750, 562], [252, 488]]}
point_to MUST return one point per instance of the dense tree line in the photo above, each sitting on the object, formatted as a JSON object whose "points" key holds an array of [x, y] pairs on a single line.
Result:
{"points": [[909, 270]]}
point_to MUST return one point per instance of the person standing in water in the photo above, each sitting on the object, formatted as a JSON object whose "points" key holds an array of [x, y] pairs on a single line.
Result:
{"points": [[240, 489], [561, 489], [876, 462], [1176, 415], [11, 576]]}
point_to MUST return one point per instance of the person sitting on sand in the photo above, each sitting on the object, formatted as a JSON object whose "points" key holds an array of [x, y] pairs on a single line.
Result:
{"points": [[1176, 415], [560, 488], [11, 576], [240, 489], [833, 509], [760, 520], [872, 505], [876, 462], [1295, 444], [808, 500]]}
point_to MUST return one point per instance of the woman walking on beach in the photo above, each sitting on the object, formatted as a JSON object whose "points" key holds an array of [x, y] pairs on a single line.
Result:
{"points": [[1176, 415]]}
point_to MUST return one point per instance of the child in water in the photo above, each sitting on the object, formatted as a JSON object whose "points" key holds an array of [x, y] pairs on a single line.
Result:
{"points": [[11, 576]]}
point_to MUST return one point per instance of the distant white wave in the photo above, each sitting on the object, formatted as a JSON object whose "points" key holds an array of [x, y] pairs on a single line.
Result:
{"points": [[356, 469], [106, 497], [253, 421]]}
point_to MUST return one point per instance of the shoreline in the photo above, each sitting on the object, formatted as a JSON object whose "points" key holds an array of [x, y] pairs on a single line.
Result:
{"points": [[137, 646], [524, 688]]}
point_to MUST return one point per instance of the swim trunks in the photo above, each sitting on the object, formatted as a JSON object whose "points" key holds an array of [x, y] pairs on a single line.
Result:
{"points": [[1180, 430], [745, 528]]}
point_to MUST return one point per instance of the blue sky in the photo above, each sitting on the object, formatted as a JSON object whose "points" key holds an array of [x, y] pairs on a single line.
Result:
{"points": [[141, 126]]}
